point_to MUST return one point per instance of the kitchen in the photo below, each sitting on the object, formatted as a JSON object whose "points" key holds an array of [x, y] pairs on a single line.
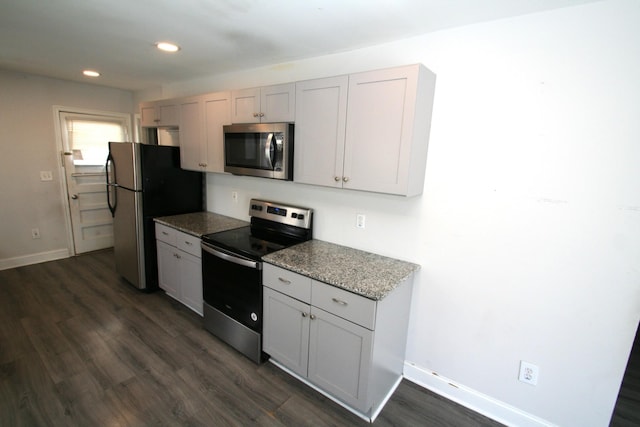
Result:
{"points": [[520, 220]]}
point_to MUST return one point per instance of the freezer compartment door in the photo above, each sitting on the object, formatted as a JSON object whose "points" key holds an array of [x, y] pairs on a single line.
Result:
{"points": [[125, 165], [128, 237]]}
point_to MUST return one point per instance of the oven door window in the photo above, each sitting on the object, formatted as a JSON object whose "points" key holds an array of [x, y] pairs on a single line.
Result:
{"points": [[233, 289]]}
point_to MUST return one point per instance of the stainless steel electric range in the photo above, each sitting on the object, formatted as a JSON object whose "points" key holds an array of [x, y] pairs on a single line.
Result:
{"points": [[232, 271]]}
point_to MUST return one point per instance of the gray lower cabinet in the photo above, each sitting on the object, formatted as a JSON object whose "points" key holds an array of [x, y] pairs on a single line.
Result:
{"points": [[340, 358], [180, 266], [348, 346]]}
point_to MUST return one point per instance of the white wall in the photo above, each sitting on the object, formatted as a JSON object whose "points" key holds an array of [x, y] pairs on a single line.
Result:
{"points": [[28, 146], [529, 225]]}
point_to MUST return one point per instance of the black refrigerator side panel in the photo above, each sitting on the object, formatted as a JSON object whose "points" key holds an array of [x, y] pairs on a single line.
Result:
{"points": [[167, 190]]}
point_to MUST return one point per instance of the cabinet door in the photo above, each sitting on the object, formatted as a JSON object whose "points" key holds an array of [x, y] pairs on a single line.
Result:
{"points": [[245, 106], [340, 358], [168, 269], [285, 334], [191, 281], [217, 113], [148, 114], [379, 129], [277, 103], [321, 108], [160, 113], [168, 113], [191, 134]]}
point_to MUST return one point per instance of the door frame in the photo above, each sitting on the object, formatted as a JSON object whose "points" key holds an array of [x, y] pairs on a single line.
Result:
{"points": [[57, 109]]}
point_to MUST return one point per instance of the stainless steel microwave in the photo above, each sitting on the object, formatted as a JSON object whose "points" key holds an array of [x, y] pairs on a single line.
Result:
{"points": [[259, 149]]}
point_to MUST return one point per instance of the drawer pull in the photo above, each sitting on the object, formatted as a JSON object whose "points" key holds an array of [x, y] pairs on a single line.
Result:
{"points": [[165, 233], [285, 281], [188, 243], [339, 301]]}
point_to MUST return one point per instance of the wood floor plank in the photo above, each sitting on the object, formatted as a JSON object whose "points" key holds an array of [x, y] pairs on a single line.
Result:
{"points": [[28, 396]]}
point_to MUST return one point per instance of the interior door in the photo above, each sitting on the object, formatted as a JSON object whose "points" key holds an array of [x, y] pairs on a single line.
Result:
{"points": [[85, 140]]}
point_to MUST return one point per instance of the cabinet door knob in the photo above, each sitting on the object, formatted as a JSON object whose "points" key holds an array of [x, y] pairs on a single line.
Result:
{"points": [[312, 316], [255, 115], [304, 314], [261, 114], [336, 178], [345, 178]]}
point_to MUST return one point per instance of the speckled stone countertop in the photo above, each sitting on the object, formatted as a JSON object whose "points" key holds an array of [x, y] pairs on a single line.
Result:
{"points": [[370, 275], [201, 223]]}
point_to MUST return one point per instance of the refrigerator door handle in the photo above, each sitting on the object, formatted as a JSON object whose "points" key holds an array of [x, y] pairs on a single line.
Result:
{"points": [[111, 186]]}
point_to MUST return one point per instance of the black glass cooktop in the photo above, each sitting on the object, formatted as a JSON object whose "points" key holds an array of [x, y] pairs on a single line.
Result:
{"points": [[243, 242]]}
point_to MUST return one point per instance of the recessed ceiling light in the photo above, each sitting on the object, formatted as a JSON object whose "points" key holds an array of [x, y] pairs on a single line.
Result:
{"points": [[167, 47], [91, 73]]}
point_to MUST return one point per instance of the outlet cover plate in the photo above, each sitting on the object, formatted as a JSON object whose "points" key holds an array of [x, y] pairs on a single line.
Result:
{"points": [[528, 373]]}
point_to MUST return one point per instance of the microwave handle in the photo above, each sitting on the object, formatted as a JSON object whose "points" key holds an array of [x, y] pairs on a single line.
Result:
{"points": [[267, 151], [278, 152]]}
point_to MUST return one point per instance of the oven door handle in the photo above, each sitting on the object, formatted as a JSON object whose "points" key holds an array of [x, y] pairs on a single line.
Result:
{"points": [[234, 259]]}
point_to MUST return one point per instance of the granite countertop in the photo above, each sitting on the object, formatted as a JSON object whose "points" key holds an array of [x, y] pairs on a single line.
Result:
{"points": [[201, 223], [364, 273]]}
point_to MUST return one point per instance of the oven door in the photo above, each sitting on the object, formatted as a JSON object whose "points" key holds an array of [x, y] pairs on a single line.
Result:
{"points": [[232, 285]]}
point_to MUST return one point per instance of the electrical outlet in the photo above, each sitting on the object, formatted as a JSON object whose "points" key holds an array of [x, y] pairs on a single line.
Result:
{"points": [[234, 196], [360, 218], [528, 373], [46, 176], [35, 233]]}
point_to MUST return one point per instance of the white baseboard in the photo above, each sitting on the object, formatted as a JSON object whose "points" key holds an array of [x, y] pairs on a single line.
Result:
{"points": [[478, 402], [33, 259]]}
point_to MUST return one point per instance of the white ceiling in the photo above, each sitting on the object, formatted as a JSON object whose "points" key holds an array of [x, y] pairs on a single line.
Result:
{"points": [[61, 38]]}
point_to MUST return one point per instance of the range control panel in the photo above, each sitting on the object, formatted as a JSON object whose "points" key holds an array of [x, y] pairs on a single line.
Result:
{"points": [[278, 212]]}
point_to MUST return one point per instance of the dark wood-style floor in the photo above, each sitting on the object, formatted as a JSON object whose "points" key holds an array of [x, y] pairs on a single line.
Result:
{"points": [[627, 410], [80, 347]]}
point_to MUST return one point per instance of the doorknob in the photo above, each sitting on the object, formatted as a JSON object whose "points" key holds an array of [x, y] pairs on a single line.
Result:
{"points": [[74, 197]]}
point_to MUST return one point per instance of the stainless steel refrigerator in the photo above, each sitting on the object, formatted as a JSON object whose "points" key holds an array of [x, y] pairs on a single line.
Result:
{"points": [[143, 182]]}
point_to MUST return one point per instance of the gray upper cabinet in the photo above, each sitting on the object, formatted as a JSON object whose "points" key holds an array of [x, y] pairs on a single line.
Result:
{"points": [[267, 104], [365, 131], [201, 137], [164, 113], [192, 155], [321, 112], [384, 128]]}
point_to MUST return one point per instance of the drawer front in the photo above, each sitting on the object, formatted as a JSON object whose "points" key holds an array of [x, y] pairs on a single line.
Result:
{"points": [[287, 282], [166, 234], [188, 243], [349, 306]]}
